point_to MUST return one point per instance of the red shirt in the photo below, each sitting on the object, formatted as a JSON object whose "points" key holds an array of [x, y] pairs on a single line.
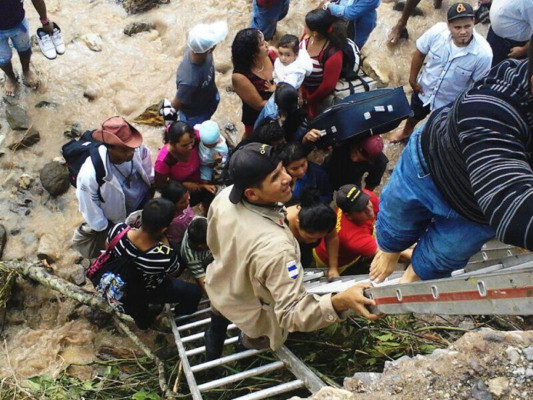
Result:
{"points": [[354, 240]]}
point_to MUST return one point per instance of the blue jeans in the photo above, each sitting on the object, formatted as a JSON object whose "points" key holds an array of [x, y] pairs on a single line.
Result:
{"points": [[198, 119], [412, 210], [172, 290], [364, 25], [19, 37], [266, 18]]}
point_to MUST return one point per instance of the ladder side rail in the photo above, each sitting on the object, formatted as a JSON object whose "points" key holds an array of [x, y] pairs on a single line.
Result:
{"points": [[300, 370], [191, 381]]}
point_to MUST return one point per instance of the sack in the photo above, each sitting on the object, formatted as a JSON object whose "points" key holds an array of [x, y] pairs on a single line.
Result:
{"points": [[344, 88], [362, 115], [76, 152]]}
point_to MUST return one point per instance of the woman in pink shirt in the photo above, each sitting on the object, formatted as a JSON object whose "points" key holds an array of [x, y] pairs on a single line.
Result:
{"points": [[178, 160]]}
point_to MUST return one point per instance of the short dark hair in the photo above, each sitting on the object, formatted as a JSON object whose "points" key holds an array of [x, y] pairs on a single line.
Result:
{"points": [[157, 214], [267, 132], [176, 130], [315, 216], [197, 230], [290, 42], [293, 151], [173, 191]]}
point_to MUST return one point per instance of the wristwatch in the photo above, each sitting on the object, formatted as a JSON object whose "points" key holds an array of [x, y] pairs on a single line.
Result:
{"points": [[325, 6]]}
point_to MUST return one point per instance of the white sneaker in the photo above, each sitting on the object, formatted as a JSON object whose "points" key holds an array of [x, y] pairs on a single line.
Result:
{"points": [[45, 44], [57, 40]]}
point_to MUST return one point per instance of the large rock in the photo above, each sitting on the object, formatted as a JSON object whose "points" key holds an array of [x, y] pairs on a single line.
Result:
{"points": [[137, 27], [54, 178], [93, 41], [139, 6], [17, 118], [3, 238], [48, 248], [30, 137]]}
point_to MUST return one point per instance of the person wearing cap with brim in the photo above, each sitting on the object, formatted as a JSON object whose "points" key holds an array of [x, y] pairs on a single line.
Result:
{"points": [[197, 95], [456, 56], [464, 178], [356, 214], [126, 187], [350, 161], [256, 279]]}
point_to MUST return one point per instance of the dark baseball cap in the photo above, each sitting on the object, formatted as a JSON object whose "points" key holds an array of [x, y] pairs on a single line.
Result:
{"points": [[460, 10], [351, 198], [249, 165]]}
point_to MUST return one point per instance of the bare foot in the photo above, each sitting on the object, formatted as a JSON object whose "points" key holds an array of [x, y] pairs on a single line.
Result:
{"points": [[409, 275], [10, 86], [30, 79], [383, 265]]}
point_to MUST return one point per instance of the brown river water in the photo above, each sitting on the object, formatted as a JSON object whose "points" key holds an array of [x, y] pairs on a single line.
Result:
{"points": [[128, 75]]}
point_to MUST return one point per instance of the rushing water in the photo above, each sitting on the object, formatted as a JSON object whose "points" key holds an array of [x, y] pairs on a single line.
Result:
{"points": [[127, 75]]}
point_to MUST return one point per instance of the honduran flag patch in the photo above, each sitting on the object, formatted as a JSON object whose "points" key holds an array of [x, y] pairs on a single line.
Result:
{"points": [[292, 269]]}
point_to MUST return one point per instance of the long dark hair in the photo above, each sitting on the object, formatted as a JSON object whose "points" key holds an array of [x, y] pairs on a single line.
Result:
{"points": [[315, 216], [244, 48], [174, 132], [329, 26]]}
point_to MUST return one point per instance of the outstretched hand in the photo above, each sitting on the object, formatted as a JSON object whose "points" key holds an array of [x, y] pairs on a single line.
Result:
{"points": [[383, 265], [354, 299]]}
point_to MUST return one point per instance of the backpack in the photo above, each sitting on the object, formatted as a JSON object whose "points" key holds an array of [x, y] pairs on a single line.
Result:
{"points": [[351, 57], [76, 151]]}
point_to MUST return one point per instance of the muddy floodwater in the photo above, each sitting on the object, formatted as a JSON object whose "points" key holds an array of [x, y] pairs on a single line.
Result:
{"points": [[124, 76]]}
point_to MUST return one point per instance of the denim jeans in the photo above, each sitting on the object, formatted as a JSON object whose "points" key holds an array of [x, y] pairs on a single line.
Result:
{"points": [[19, 37], [412, 210], [171, 290], [266, 18]]}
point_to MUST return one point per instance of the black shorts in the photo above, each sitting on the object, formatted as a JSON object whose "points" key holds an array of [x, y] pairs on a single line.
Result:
{"points": [[418, 108]]}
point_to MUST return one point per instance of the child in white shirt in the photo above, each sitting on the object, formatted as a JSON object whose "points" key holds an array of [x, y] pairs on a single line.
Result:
{"points": [[293, 64]]}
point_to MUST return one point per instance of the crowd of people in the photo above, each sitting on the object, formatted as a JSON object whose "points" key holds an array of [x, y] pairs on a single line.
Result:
{"points": [[246, 220]]}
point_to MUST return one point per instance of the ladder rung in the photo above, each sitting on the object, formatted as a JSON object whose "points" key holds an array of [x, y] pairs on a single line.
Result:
{"points": [[194, 314], [199, 350], [226, 359], [200, 335], [194, 324], [272, 391], [241, 375]]}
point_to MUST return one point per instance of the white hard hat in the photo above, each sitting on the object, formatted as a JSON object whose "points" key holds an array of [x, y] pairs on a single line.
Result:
{"points": [[204, 37]]}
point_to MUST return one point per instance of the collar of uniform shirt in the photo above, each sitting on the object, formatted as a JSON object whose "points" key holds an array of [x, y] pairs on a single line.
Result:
{"points": [[276, 213]]}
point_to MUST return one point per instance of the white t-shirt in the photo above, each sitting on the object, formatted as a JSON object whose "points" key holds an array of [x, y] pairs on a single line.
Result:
{"points": [[295, 72], [512, 19]]}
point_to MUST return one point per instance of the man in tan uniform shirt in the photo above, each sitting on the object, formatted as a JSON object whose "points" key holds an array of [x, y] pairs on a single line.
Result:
{"points": [[256, 279]]}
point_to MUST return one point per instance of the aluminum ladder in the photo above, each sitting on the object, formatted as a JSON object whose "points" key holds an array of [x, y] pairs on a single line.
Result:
{"points": [[188, 346], [497, 280]]}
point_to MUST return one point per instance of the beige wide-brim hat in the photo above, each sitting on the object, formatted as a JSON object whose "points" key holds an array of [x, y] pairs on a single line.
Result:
{"points": [[117, 131]]}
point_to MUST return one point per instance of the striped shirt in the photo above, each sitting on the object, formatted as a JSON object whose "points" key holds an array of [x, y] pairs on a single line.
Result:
{"points": [[479, 153], [193, 258], [153, 264]]}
